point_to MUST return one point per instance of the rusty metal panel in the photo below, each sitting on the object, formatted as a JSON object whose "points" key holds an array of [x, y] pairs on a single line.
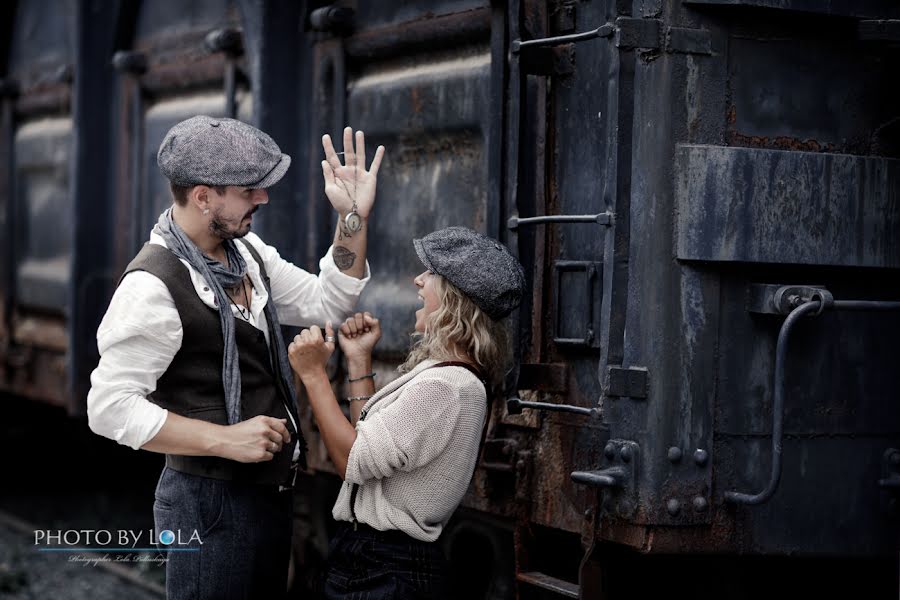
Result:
{"points": [[832, 110], [430, 112], [851, 8], [42, 153], [770, 206]]}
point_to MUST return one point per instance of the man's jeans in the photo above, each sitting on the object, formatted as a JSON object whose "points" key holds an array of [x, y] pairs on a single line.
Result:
{"points": [[245, 532]]}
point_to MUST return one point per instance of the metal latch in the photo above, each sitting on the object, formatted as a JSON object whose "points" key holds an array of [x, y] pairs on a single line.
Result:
{"points": [[514, 406], [604, 218], [619, 476]]}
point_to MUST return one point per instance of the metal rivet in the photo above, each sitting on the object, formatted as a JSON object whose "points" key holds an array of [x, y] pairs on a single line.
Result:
{"points": [[625, 453], [673, 506], [674, 454], [206, 289], [701, 456], [610, 451], [214, 123], [589, 513], [700, 504]]}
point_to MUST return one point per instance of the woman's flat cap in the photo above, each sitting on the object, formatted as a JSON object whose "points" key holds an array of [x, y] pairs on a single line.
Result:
{"points": [[482, 268]]}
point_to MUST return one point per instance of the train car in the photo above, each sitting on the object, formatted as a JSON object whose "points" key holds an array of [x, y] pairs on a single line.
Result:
{"points": [[705, 195]]}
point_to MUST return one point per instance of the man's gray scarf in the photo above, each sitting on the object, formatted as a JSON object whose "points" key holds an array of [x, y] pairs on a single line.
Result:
{"points": [[219, 277]]}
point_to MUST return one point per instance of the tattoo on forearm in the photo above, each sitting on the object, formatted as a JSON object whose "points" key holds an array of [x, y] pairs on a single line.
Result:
{"points": [[343, 257]]}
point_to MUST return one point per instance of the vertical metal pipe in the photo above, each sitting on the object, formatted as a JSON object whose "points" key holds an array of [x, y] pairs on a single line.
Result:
{"points": [[230, 87], [777, 408], [137, 145]]}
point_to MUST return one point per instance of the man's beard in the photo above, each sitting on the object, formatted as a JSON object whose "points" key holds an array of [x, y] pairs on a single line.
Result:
{"points": [[221, 229]]}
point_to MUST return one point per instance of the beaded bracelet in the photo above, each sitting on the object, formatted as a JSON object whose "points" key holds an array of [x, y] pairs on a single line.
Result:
{"points": [[366, 376], [352, 398]]}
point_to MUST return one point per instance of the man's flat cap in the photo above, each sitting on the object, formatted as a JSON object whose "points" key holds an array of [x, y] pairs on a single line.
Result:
{"points": [[213, 151], [482, 268]]}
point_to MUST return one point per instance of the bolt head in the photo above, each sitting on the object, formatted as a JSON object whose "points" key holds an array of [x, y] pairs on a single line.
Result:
{"points": [[626, 453], [673, 506], [700, 457], [700, 504], [610, 451], [674, 454]]}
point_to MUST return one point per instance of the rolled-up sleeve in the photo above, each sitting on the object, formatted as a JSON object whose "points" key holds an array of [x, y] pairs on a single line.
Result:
{"points": [[302, 298], [409, 433], [137, 339]]}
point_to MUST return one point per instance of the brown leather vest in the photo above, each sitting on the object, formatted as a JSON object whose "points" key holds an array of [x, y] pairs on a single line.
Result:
{"points": [[192, 385]]}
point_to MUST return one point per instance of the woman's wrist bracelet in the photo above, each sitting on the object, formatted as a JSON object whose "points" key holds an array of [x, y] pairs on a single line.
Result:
{"points": [[361, 377], [350, 399]]}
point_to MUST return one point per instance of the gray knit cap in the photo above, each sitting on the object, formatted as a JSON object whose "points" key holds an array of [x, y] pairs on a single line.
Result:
{"points": [[482, 268], [214, 151]]}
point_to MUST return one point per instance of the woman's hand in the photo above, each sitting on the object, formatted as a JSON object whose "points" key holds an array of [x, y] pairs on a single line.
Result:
{"points": [[309, 352], [349, 183], [358, 336]]}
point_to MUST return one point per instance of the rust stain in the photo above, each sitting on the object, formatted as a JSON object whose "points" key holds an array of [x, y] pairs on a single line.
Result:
{"points": [[782, 142], [415, 99], [731, 116]]}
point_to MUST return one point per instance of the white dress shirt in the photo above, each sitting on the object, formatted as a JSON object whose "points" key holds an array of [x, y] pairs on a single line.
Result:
{"points": [[141, 332]]}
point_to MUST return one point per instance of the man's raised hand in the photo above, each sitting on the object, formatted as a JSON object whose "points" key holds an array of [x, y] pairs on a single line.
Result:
{"points": [[350, 181]]}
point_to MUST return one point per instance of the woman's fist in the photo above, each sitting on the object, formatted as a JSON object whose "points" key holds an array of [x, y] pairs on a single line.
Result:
{"points": [[358, 336]]}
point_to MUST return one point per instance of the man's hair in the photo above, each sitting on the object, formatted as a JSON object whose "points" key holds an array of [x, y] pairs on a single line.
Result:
{"points": [[180, 192], [458, 321]]}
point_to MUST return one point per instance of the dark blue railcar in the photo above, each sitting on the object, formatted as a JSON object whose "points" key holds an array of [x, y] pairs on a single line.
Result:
{"points": [[710, 166]]}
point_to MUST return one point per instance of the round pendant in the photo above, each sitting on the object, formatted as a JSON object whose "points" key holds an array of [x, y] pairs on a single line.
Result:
{"points": [[353, 222]]}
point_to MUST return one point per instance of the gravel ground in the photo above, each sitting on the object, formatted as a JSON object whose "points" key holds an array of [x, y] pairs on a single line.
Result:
{"points": [[57, 475]]}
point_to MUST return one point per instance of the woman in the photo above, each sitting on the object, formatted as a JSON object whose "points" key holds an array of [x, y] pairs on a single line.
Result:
{"points": [[407, 462]]}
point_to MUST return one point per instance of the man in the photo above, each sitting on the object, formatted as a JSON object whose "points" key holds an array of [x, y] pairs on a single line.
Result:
{"points": [[193, 364]]}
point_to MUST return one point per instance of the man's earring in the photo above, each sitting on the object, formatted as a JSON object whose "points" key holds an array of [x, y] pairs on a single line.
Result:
{"points": [[205, 211]]}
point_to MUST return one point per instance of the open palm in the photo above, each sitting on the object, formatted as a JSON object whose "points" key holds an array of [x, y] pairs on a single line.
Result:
{"points": [[349, 182]]}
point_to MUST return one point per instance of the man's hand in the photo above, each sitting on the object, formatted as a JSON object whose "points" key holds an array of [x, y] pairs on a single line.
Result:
{"points": [[350, 181], [254, 440], [358, 336], [309, 352]]}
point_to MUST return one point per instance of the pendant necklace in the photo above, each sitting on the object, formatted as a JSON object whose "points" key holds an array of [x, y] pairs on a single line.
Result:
{"points": [[244, 315]]}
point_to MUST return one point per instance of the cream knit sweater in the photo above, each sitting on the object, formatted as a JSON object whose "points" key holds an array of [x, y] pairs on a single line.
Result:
{"points": [[415, 450]]}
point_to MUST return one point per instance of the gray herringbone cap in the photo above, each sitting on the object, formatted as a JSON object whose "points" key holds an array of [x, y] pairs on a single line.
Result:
{"points": [[482, 268], [214, 151]]}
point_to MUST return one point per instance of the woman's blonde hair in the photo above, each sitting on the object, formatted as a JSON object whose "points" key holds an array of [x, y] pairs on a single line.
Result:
{"points": [[459, 323]]}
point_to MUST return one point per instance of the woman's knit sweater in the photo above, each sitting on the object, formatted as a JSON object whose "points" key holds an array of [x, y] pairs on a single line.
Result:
{"points": [[415, 451]]}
